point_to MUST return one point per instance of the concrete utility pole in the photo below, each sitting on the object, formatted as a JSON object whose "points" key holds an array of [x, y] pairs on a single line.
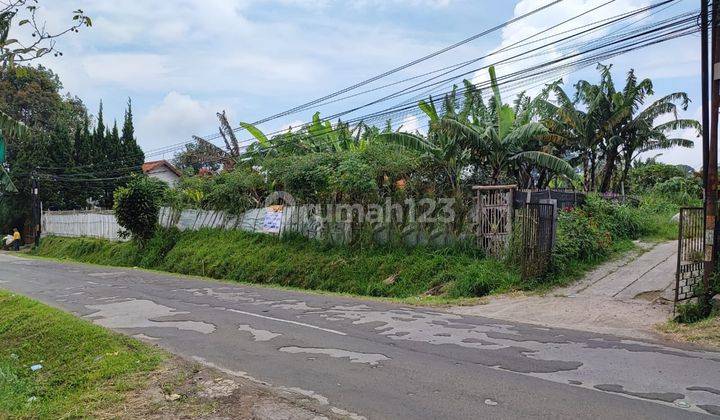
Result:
{"points": [[36, 214], [711, 145]]}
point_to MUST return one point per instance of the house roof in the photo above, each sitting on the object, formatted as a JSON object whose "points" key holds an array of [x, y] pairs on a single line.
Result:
{"points": [[156, 164]]}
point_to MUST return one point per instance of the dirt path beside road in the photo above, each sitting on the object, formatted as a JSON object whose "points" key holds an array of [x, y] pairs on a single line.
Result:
{"points": [[627, 296]]}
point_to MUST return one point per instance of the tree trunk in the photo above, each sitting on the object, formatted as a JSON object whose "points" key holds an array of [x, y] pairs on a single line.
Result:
{"points": [[593, 165], [609, 169], [626, 168]]}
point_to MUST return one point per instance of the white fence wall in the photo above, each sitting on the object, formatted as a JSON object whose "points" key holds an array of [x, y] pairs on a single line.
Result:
{"points": [[94, 223], [103, 224]]}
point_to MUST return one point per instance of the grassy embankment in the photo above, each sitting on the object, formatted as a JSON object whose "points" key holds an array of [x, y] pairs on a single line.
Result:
{"points": [[586, 237], [296, 262], [85, 368]]}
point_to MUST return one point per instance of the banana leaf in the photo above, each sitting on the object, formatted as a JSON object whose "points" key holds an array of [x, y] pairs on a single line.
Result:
{"points": [[6, 184]]}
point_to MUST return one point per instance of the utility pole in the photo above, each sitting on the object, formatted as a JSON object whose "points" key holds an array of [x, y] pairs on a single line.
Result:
{"points": [[711, 158], [36, 215]]}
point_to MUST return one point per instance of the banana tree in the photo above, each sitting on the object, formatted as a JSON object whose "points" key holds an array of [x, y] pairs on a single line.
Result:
{"points": [[508, 142], [445, 152], [577, 134], [641, 134], [317, 136]]}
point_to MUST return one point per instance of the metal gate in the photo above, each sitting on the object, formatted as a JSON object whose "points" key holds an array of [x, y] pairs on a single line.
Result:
{"points": [[691, 252], [535, 223], [493, 218]]}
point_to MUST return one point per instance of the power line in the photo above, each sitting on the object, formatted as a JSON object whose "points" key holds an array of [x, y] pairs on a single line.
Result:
{"points": [[402, 67], [385, 113]]}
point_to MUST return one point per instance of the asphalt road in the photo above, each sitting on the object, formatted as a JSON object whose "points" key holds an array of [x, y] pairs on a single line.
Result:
{"points": [[379, 360]]}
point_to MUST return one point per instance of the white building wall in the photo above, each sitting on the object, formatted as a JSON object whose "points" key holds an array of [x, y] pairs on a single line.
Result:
{"points": [[165, 175]]}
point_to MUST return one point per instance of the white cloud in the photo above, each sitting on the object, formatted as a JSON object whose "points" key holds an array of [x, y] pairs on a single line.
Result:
{"points": [[133, 71], [176, 118], [410, 124], [543, 20]]}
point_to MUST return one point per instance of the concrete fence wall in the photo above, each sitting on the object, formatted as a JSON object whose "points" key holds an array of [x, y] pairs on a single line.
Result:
{"points": [[94, 223], [103, 224]]}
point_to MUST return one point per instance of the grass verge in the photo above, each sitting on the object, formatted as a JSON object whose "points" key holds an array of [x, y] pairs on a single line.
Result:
{"points": [[297, 262], [85, 368], [705, 332], [586, 237], [90, 372]]}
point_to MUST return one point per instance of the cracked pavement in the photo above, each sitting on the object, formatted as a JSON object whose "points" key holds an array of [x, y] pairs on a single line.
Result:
{"points": [[380, 360]]}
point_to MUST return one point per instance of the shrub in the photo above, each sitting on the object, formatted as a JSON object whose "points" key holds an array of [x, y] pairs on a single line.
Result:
{"points": [[137, 206], [579, 238], [620, 220], [692, 312], [306, 177], [236, 191], [644, 178], [679, 190], [351, 179]]}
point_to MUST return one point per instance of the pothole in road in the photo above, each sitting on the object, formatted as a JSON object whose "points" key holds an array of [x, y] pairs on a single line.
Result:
{"points": [[371, 359], [259, 335], [140, 314]]}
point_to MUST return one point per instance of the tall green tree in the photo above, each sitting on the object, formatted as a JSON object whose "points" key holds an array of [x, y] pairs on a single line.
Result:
{"points": [[132, 154], [99, 139]]}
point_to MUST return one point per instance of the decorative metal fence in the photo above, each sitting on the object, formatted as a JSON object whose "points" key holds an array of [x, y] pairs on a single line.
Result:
{"points": [[535, 224], [691, 248]]}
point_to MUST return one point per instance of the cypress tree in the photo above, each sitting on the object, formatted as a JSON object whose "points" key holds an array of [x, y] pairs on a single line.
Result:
{"points": [[114, 149], [132, 153], [99, 143]]}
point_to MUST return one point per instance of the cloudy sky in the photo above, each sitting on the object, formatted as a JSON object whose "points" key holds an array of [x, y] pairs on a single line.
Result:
{"points": [[181, 61]]}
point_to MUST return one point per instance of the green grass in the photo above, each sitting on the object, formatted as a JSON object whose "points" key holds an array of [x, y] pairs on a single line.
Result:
{"points": [[586, 238], [705, 332], [85, 368], [296, 262]]}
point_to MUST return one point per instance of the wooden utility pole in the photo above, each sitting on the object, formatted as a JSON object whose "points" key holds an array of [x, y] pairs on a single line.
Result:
{"points": [[711, 158]]}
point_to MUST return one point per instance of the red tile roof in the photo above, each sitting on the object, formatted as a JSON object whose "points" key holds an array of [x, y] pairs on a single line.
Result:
{"points": [[151, 166]]}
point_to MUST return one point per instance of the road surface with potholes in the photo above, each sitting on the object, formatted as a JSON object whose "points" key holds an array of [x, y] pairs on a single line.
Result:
{"points": [[381, 360]]}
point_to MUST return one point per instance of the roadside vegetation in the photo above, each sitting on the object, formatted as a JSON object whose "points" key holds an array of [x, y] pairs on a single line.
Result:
{"points": [[587, 137], [589, 143], [586, 236], [81, 369], [704, 331]]}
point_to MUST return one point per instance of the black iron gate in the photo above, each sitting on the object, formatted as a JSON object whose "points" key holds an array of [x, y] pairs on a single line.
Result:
{"points": [[691, 249], [536, 228]]}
